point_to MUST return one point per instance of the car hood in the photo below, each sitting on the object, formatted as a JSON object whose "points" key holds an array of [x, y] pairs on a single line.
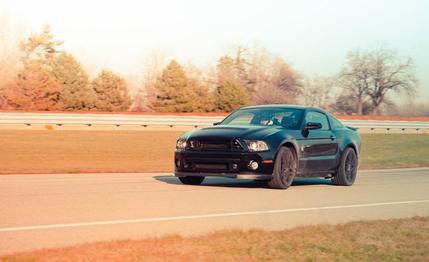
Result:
{"points": [[234, 132]]}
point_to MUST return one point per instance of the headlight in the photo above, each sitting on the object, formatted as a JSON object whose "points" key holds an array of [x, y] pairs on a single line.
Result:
{"points": [[257, 145], [181, 144]]}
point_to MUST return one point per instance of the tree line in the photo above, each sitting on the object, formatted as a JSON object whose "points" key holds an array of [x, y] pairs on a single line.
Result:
{"points": [[48, 78]]}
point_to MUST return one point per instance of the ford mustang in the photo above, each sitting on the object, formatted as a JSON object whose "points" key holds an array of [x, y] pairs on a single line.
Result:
{"points": [[273, 143]]}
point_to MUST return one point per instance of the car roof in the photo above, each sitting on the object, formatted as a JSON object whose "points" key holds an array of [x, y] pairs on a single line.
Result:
{"points": [[284, 106]]}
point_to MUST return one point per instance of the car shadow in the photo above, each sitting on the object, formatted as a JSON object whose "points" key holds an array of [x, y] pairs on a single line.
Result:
{"points": [[239, 183]]}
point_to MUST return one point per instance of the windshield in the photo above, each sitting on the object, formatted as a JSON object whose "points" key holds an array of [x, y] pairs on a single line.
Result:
{"points": [[287, 117]]}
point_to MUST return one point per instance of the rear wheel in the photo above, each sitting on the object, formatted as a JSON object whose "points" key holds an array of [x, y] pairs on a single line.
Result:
{"points": [[284, 169], [347, 171], [191, 180]]}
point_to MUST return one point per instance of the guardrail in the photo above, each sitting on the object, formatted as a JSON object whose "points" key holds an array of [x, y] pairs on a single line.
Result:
{"points": [[106, 119], [165, 121]]}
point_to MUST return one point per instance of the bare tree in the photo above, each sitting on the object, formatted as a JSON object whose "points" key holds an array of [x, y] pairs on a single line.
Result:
{"points": [[9, 55], [285, 77], [343, 105], [270, 95], [319, 91], [370, 76], [389, 73], [153, 66], [355, 78], [270, 79], [410, 108]]}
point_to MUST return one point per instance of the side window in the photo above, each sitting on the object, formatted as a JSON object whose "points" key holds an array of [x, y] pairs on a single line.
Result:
{"points": [[336, 124], [317, 117]]}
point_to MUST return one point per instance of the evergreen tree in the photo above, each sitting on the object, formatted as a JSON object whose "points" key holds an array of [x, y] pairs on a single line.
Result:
{"points": [[205, 100], [174, 92], [76, 92], [241, 68], [230, 93], [35, 87], [111, 92], [230, 96]]}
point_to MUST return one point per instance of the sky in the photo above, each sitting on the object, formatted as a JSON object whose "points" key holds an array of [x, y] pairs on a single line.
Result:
{"points": [[313, 36]]}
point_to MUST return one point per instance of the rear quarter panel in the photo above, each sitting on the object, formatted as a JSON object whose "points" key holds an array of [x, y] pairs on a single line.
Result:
{"points": [[347, 137]]}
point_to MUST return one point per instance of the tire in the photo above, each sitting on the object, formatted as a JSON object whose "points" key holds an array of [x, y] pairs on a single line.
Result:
{"points": [[285, 167], [191, 180], [347, 171]]}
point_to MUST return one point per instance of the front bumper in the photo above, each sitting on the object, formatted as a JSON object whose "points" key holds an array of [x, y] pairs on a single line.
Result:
{"points": [[241, 175], [223, 164]]}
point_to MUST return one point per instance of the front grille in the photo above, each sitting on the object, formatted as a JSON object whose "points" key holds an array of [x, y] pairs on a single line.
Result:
{"points": [[215, 145], [211, 166], [206, 165]]}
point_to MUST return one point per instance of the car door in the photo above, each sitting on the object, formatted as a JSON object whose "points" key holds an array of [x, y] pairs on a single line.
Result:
{"points": [[318, 147]]}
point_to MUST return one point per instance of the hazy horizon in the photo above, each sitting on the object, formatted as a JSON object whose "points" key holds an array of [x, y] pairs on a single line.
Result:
{"points": [[313, 36]]}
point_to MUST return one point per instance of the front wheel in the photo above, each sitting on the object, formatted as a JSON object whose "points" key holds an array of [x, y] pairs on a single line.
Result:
{"points": [[347, 171], [284, 171], [191, 180]]}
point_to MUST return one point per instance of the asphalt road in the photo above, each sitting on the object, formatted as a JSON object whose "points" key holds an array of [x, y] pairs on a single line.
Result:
{"points": [[39, 211]]}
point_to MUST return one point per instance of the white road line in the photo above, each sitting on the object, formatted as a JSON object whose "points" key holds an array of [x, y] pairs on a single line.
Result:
{"points": [[158, 219]]}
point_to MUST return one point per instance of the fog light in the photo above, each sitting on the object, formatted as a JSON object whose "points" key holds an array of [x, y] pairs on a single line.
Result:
{"points": [[234, 166], [253, 165]]}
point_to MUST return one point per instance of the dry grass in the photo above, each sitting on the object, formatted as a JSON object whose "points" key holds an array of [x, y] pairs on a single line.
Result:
{"points": [[152, 151], [381, 240], [84, 151], [394, 151]]}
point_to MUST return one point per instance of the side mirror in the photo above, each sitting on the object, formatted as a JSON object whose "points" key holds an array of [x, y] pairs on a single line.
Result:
{"points": [[313, 125], [310, 126], [216, 123]]}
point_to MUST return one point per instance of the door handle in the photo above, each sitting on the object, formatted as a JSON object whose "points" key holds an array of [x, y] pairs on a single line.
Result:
{"points": [[333, 137]]}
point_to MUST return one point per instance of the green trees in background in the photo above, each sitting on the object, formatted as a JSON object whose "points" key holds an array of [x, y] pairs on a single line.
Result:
{"points": [[230, 92], [175, 92], [111, 92], [204, 97], [229, 96], [51, 79], [171, 92], [76, 93], [40, 76], [35, 87]]}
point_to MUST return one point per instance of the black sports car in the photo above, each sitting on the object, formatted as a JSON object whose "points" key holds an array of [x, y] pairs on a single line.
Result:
{"points": [[273, 143]]}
